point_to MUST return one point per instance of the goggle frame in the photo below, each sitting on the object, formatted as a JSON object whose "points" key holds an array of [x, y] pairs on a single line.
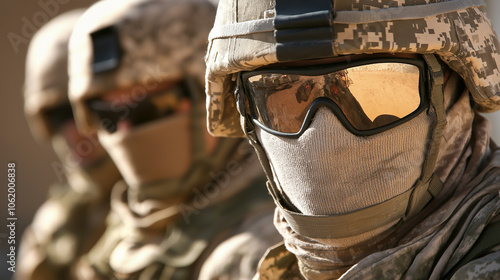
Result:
{"points": [[316, 70]]}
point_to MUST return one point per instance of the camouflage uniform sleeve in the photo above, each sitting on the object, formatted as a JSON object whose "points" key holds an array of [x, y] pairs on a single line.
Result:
{"points": [[38, 258], [32, 263], [487, 267], [238, 256], [278, 263]]}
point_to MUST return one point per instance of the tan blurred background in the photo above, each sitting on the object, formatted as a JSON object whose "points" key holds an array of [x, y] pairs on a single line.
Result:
{"points": [[34, 161]]}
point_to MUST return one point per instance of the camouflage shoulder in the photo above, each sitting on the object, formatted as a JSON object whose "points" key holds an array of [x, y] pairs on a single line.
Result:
{"points": [[486, 267], [278, 263]]}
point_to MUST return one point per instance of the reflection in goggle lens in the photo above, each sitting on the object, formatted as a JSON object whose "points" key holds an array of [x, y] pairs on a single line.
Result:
{"points": [[368, 96]]}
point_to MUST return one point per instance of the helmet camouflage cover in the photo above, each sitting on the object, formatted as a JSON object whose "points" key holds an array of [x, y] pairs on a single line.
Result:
{"points": [[248, 34], [46, 79], [114, 46]]}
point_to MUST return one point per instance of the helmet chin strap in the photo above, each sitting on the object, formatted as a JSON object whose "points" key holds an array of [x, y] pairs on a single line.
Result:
{"points": [[399, 208]]}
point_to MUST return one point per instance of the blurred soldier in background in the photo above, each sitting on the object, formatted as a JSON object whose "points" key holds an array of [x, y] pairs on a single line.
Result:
{"points": [[136, 77], [410, 193], [72, 219]]}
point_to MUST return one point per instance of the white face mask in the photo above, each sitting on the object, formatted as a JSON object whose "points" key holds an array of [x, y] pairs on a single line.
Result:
{"points": [[328, 170], [152, 152]]}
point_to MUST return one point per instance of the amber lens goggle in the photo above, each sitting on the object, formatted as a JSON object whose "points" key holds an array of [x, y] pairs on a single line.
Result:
{"points": [[368, 96]]}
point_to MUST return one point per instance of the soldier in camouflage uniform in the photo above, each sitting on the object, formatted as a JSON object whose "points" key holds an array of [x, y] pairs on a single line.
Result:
{"points": [[412, 194], [190, 206], [73, 217]]}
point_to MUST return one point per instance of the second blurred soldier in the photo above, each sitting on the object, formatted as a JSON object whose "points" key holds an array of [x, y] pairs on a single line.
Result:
{"points": [[136, 77]]}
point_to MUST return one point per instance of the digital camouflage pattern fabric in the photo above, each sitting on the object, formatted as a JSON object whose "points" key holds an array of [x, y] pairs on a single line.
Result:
{"points": [[458, 31]]}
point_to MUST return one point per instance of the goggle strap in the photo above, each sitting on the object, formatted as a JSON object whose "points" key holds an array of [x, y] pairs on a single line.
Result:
{"points": [[240, 97], [278, 195], [429, 185], [437, 102]]}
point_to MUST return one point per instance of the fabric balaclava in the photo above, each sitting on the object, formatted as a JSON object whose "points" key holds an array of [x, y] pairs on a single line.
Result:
{"points": [[333, 171]]}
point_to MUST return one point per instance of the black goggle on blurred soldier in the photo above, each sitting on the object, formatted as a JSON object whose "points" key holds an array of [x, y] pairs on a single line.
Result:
{"points": [[361, 115], [136, 77], [72, 218]]}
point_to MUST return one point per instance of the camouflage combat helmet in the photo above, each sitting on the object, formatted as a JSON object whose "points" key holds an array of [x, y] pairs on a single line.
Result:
{"points": [[249, 34], [46, 81], [126, 49]]}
